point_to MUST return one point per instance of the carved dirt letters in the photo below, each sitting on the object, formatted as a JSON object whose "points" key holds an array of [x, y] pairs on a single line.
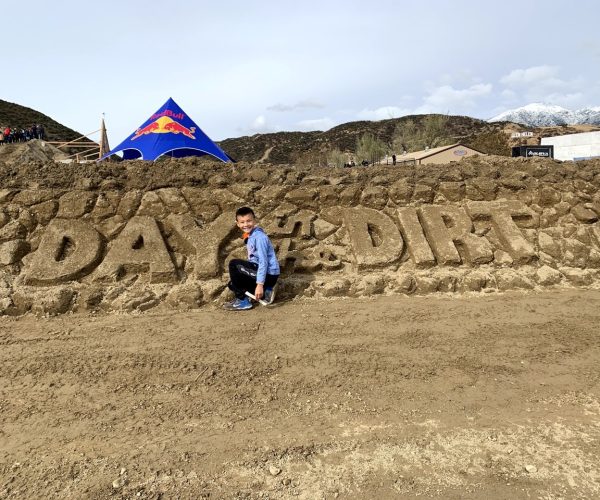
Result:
{"points": [[139, 248], [501, 215], [184, 236], [69, 250], [205, 242], [448, 226], [375, 239]]}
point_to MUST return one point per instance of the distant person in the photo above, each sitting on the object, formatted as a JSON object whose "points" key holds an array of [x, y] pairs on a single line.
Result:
{"points": [[1, 136], [259, 274], [40, 132], [393, 159]]}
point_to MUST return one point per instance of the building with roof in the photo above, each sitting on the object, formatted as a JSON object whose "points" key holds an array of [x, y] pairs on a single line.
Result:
{"points": [[441, 155], [575, 147]]}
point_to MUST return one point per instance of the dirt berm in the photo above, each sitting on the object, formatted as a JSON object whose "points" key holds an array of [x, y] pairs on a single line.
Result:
{"points": [[132, 235]]}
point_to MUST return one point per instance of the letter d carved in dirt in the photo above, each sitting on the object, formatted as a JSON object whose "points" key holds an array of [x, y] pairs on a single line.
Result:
{"points": [[69, 249], [376, 240]]}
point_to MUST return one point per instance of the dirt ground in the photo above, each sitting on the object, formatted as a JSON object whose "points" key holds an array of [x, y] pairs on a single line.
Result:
{"points": [[492, 396]]}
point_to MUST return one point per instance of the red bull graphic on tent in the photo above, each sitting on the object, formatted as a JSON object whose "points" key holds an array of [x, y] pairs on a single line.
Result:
{"points": [[168, 132]]}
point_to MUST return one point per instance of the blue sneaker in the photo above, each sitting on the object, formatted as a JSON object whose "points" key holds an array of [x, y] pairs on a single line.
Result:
{"points": [[269, 296], [238, 305]]}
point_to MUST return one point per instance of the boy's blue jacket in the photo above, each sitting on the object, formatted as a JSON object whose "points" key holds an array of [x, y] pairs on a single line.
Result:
{"points": [[261, 252]]}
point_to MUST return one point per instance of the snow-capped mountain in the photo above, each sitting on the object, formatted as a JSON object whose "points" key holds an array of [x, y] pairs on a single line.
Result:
{"points": [[548, 115]]}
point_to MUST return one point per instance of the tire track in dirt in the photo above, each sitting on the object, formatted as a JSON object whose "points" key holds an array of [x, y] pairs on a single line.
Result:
{"points": [[394, 397]]}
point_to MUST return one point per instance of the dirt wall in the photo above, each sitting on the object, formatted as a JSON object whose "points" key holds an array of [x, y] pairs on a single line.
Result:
{"points": [[134, 235]]}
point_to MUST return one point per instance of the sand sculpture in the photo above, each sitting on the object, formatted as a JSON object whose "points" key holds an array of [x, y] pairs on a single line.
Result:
{"points": [[352, 233]]}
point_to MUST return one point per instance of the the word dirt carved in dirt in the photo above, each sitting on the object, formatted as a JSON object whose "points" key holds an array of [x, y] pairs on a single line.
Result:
{"points": [[71, 249]]}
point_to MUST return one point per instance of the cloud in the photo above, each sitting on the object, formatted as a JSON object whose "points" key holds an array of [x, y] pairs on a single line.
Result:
{"points": [[316, 124], [568, 100], [462, 76], [260, 125], [544, 84], [529, 76], [306, 104], [446, 98], [382, 113]]}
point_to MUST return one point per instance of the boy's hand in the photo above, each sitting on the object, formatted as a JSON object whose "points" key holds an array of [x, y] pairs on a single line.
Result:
{"points": [[259, 291]]}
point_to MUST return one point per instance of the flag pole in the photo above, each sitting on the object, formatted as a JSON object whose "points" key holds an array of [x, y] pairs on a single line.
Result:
{"points": [[104, 147]]}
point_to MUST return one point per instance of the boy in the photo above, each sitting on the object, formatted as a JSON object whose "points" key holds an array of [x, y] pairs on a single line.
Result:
{"points": [[259, 273]]}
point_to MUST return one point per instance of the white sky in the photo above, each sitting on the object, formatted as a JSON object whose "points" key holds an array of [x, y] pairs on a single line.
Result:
{"points": [[242, 67]]}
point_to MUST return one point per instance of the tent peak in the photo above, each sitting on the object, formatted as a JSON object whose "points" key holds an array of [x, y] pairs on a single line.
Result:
{"points": [[168, 130]]}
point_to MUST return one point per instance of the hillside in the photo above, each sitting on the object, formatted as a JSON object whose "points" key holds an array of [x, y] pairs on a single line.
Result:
{"points": [[292, 147], [312, 147], [15, 115]]}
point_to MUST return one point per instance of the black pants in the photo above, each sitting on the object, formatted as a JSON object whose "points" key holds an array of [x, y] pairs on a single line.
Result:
{"points": [[242, 276]]}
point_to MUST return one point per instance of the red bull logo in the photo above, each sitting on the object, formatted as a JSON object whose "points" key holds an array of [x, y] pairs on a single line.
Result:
{"points": [[165, 125]]}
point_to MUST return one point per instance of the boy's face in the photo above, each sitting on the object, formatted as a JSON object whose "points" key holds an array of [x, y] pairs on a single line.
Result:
{"points": [[245, 222]]}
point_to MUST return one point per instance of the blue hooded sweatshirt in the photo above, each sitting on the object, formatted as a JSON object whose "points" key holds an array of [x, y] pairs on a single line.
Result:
{"points": [[261, 252]]}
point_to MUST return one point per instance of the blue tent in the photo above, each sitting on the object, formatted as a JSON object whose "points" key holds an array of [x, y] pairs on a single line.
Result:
{"points": [[168, 132]]}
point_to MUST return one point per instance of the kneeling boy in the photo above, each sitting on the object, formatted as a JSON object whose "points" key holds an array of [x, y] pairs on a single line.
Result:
{"points": [[258, 274]]}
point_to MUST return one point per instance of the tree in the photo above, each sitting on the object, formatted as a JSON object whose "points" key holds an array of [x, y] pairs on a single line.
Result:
{"points": [[434, 131], [336, 158], [494, 142], [369, 148], [403, 136], [430, 133]]}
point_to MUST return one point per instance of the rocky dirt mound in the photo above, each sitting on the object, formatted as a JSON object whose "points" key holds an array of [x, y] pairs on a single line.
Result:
{"points": [[30, 152], [133, 235]]}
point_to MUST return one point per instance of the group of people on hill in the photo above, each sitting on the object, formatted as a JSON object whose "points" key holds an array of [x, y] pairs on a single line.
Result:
{"points": [[19, 134], [365, 163]]}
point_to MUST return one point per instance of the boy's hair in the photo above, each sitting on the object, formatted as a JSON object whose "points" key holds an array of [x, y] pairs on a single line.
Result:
{"points": [[240, 212]]}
